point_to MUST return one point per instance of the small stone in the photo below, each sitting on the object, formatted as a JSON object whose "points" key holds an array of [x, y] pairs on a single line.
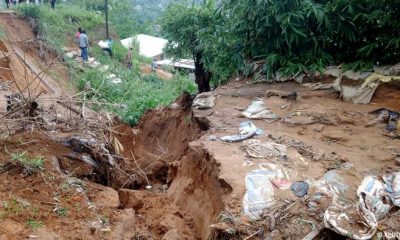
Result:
{"points": [[300, 188], [397, 160]]}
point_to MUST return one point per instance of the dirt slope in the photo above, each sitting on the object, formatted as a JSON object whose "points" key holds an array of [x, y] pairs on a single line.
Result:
{"points": [[25, 60]]}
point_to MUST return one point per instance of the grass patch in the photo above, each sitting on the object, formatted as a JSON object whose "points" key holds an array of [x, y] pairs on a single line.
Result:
{"points": [[11, 207], [34, 224], [33, 163], [61, 211], [136, 94], [58, 27]]}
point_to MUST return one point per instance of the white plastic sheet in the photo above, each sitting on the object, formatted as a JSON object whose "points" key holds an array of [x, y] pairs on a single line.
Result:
{"points": [[259, 192]]}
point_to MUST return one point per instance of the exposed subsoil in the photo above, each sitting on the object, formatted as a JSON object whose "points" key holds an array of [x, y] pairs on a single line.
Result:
{"points": [[192, 178], [25, 57]]}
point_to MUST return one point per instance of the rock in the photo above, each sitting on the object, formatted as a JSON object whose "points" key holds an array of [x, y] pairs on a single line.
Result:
{"points": [[300, 188], [131, 198], [388, 70], [69, 55], [397, 160], [172, 234], [300, 78], [107, 198], [333, 71], [356, 76]]}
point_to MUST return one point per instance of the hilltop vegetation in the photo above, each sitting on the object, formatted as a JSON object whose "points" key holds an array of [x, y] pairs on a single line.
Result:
{"points": [[288, 37]]}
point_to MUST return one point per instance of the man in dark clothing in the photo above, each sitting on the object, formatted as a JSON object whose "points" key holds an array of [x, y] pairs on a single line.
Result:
{"points": [[53, 3], [108, 47], [7, 4]]}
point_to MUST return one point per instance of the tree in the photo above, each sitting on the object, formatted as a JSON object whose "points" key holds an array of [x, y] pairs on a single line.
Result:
{"points": [[183, 27]]}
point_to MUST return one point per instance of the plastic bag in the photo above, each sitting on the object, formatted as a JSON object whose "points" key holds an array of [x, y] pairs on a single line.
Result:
{"points": [[259, 192], [246, 130], [257, 110]]}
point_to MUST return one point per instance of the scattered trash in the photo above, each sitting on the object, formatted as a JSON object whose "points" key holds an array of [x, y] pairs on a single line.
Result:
{"points": [[346, 220], [259, 192], [114, 78], [103, 44], [280, 183], [375, 201], [246, 130], [346, 166], [336, 181], [258, 110], [300, 188], [104, 68], [212, 138], [392, 187], [204, 101], [386, 116], [254, 148], [371, 186], [363, 94]]}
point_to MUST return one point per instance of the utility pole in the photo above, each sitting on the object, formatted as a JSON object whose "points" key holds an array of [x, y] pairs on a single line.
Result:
{"points": [[106, 7]]}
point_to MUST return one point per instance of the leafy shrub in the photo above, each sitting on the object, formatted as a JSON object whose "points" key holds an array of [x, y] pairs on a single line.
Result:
{"points": [[135, 95]]}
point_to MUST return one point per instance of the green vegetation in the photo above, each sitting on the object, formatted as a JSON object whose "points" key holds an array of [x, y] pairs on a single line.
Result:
{"points": [[288, 36], [137, 93], [123, 16], [57, 28], [61, 211], [30, 163], [186, 26], [11, 207], [34, 224], [18, 207]]}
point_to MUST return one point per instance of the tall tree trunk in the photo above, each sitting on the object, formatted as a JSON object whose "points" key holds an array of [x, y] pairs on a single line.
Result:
{"points": [[203, 77]]}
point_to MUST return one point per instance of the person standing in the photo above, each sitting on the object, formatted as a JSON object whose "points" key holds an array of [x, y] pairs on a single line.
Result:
{"points": [[109, 47], [84, 45], [14, 2], [53, 4], [7, 3], [154, 65], [128, 58]]}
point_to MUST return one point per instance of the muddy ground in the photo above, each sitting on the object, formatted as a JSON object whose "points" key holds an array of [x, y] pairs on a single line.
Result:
{"points": [[193, 178]]}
